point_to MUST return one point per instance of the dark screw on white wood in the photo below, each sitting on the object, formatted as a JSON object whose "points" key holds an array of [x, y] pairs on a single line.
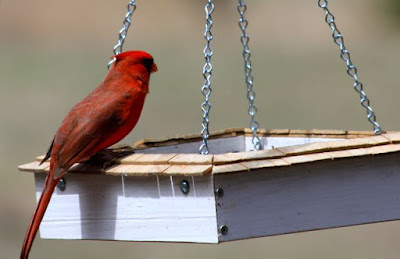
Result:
{"points": [[62, 184], [219, 192], [223, 230], [184, 186]]}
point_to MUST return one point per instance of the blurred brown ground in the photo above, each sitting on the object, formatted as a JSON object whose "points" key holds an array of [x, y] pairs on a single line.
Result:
{"points": [[52, 53]]}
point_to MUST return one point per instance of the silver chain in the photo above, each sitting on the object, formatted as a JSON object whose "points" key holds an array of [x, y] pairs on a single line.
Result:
{"points": [[207, 73], [351, 68], [252, 110], [124, 31]]}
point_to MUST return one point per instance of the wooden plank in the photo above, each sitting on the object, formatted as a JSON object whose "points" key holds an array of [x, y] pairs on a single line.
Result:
{"points": [[306, 158], [185, 159], [375, 150], [35, 167], [40, 158], [339, 154], [256, 164], [229, 168], [243, 156], [129, 159], [101, 207], [137, 170], [188, 170], [393, 137], [277, 132], [216, 146], [153, 159], [182, 139], [327, 132], [306, 148], [335, 145], [385, 149], [300, 132], [236, 130], [360, 133], [305, 197]]}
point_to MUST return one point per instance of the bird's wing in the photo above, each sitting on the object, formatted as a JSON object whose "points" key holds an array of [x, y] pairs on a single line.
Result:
{"points": [[84, 132]]}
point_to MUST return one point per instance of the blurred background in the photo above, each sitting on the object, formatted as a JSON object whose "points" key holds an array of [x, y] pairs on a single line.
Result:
{"points": [[53, 52]]}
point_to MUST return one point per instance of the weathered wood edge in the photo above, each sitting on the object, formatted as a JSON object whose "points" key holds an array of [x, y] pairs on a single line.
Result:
{"points": [[313, 133], [195, 164]]}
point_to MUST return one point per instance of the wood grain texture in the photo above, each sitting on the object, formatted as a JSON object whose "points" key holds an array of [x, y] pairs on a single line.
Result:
{"points": [[129, 159], [191, 159], [218, 146], [231, 168], [291, 160], [257, 164], [154, 159], [35, 167], [188, 170], [137, 170], [281, 148], [393, 137], [244, 156], [328, 132], [324, 194]]}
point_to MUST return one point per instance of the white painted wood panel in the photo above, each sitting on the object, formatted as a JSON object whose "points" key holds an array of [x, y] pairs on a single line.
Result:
{"points": [[275, 142], [131, 208], [311, 196], [234, 144]]}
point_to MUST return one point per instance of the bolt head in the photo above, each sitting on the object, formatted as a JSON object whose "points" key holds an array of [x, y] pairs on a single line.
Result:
{"points": [[62, 184], [184, 187], [219, 192], [223, 230]]}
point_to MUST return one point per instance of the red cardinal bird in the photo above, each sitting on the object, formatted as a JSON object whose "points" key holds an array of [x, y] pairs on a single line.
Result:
{"points": [[102, 119]]}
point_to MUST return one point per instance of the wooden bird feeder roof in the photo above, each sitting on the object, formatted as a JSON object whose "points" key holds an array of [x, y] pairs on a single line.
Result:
{"points": [[282, 148]]}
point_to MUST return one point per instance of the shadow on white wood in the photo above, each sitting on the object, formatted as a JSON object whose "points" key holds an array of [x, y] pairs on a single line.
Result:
{"points": [[304, 197], [153, 208]]}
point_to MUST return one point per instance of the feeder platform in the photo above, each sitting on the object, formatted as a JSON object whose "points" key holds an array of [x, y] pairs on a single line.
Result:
{"points": [[165, 191]]}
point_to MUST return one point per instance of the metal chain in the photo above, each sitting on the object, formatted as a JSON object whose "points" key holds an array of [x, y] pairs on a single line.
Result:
{"points": [[207, 73], [252, 110], [124, 31], [351, 68]]}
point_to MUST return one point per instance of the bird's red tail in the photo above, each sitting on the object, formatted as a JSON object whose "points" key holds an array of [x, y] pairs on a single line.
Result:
{"points": [[37, 217]]}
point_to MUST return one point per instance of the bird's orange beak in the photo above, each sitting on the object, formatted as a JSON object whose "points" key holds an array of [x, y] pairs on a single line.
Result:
{"points": [[154, 68]]}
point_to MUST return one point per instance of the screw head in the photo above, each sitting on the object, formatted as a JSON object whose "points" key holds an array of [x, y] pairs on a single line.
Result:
{"points": [[184, 186], [62, 184], [223, 230], [219, 192]]}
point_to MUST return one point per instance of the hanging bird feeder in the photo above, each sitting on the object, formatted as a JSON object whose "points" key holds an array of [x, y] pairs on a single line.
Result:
{"points": [[233, 184]]}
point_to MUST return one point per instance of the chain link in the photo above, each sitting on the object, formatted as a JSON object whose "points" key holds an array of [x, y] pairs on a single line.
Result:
{"points": [[207, 73], [252, 110], [124, 31], [351, 68]]}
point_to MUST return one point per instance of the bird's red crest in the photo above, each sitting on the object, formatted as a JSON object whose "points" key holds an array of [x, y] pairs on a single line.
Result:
{"points": [[134, 54]]}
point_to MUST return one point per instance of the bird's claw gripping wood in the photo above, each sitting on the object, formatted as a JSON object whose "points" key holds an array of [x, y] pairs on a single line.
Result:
{"points": [[108, 157]]}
